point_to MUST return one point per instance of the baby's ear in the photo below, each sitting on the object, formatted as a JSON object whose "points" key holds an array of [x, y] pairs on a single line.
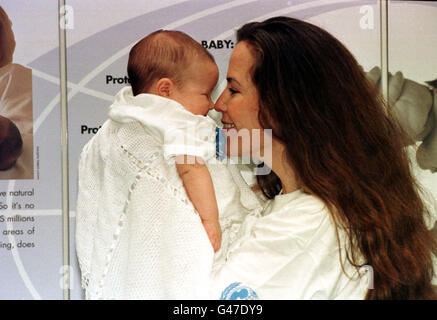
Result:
{"points": [[164, 87]]}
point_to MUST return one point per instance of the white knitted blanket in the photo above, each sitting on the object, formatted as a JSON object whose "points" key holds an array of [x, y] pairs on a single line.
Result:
{"points": [[137, 234]]}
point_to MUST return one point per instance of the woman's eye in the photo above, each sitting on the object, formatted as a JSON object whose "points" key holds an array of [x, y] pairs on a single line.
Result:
{"points": [[232, 91]]}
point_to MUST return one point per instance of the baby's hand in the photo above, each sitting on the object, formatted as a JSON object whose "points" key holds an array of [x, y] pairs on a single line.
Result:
{"points": [[214, 233]]}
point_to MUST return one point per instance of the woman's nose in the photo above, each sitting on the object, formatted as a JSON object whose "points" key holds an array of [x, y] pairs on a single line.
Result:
{"points": [[220, 105]]}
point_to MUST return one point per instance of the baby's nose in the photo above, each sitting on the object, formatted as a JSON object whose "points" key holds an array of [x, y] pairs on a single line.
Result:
{"points": [[211, 104]]}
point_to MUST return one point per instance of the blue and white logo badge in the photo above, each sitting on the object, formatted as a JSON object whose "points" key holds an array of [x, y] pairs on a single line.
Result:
{"points": [[238, 291], [220, 140]]}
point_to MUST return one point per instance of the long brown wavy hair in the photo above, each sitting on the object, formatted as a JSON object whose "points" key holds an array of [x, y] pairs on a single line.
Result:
{"points": [[346, 149]]}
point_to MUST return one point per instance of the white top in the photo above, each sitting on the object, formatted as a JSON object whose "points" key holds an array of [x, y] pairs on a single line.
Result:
{"points": [[16, 104], [16, 96], [137, 234], [290, 252]]}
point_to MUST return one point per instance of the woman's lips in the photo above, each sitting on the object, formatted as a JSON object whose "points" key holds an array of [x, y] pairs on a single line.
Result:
{"points": [[228, 126]]}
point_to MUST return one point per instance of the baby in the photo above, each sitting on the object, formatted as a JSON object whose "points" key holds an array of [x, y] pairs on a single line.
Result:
{"points": [[137, 235], [11, 144], [172, 65]]}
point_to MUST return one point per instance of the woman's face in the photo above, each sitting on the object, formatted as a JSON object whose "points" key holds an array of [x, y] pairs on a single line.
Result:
{"points": [[239, 102]]}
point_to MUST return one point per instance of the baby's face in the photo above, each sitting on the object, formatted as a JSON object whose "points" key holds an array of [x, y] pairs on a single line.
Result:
{"points": [[10, 143], [195, 91]]}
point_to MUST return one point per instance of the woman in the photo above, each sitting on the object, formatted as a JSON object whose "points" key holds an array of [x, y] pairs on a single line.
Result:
{"points": [[16, 101], [342, 192]]}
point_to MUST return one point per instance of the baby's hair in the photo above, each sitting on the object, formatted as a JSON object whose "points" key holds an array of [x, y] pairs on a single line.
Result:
{"points": [[162, 54], [11, 144]]}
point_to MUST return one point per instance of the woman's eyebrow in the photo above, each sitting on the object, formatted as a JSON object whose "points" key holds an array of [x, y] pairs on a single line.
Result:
{"points": [[229, 79]]}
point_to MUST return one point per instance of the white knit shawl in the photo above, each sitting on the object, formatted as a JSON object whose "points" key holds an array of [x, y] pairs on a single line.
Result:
{"points": [[137, 234]]}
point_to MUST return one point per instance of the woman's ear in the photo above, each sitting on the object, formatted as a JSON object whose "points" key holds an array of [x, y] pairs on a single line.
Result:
{"points": [[164, 87]]}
